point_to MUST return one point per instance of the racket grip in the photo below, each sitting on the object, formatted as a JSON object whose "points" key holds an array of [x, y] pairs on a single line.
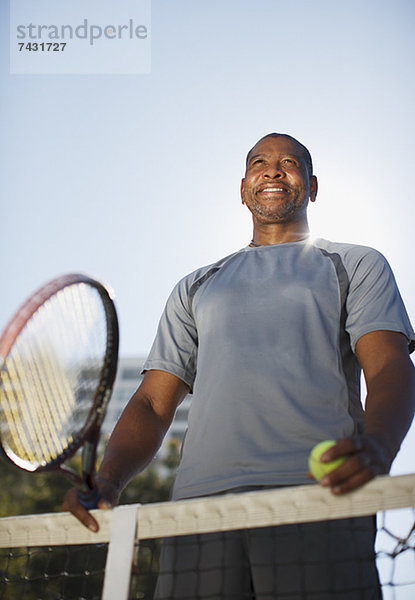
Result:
{"points": [[89, 500]]}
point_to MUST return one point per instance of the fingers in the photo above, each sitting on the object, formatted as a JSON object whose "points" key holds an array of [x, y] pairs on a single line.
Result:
{"points": [[366, 457], [107, 499], [71, 503]]}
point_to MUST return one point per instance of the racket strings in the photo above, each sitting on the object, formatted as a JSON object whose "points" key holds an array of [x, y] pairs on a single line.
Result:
{"points": [[51, 375], [24, 383], [44, 379]]}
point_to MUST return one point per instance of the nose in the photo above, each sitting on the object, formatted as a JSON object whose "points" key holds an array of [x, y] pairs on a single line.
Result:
{"points": [[274, 171]]}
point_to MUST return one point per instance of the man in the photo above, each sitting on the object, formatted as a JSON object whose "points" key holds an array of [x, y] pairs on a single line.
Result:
{"points": [[271, 340]]}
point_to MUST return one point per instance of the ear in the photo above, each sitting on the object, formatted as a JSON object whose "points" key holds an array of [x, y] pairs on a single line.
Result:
{"points": [[313, 188], [242, 190]]}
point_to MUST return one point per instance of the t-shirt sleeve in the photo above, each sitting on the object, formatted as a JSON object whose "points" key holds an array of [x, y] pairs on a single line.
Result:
{"points": [[374, 302], [175, 346]]}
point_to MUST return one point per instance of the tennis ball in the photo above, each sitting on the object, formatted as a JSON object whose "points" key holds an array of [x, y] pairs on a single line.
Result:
{"points": [[317, 468]]}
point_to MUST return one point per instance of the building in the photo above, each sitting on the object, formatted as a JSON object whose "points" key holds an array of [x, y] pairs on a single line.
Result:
{"points": [[127, 380]]}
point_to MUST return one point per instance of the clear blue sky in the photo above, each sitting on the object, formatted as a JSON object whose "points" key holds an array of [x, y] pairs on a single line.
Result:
{"points": [[135, 178]]}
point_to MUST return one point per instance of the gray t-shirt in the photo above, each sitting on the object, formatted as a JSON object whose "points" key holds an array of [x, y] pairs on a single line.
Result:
{"points": [[265, 339]]}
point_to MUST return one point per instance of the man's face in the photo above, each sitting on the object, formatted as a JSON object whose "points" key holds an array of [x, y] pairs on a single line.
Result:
{"points": [[277, 184]]}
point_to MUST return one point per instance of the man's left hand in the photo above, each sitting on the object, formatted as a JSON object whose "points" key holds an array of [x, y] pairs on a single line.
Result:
{"points": [[366, 457]]}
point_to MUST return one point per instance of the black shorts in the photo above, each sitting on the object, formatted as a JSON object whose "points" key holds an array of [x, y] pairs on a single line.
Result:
{"points": [[330, 560]]}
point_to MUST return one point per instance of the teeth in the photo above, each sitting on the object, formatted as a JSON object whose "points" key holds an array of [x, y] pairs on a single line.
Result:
{"points": [[273, 189]]}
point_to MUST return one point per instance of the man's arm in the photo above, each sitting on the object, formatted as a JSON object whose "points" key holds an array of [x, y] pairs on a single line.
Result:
{"points": [[390, 406], [134, 441]]}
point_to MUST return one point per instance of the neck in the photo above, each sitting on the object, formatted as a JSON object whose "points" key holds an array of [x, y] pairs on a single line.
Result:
{"points": [[279, 233]]}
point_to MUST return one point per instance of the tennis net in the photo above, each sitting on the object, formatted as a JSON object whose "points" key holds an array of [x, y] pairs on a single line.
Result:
{"points": [[299, 543]]}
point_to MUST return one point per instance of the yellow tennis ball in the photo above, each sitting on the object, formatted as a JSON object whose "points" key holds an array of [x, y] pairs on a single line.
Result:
{"points": [[317, 468]]}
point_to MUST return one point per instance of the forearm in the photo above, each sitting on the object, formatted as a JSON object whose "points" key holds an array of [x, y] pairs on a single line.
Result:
{"points": [[389, 410], [133, 443], [390, 405]]}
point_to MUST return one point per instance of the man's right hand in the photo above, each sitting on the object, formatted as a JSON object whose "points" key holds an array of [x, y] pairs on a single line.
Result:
{"points": [[134, 442], [108, 498]]}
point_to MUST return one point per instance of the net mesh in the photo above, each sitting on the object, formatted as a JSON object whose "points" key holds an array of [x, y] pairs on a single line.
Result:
{"points": [[262, 564], [289, 544], [53, 572]]}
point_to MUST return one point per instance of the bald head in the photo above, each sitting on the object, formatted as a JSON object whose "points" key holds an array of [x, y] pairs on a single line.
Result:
{"points": [[303, 150]]}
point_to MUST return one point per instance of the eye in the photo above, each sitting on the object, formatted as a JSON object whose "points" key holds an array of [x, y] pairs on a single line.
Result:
{"points": [[289, 161]]}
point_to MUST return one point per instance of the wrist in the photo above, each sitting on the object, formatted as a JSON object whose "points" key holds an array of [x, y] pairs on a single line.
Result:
{"points": [[107, 486], [385, 447]]}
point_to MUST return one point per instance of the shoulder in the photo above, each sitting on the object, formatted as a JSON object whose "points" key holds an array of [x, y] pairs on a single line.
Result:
{"points": [[188, 285], [201, 274], [345, 249], [355, 257]]}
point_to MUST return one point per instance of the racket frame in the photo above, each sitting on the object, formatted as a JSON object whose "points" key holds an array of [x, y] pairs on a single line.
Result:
{"points": [[88, 435]]}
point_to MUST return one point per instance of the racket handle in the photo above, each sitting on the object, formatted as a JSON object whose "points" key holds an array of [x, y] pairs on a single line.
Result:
{"points": [[89, 500]]}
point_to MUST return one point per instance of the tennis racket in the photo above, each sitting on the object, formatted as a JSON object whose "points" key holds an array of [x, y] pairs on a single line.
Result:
{"points": [[58, 361]]}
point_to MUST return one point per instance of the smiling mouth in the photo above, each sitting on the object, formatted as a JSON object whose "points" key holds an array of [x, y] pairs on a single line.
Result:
{"points": [[273, 190]]}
